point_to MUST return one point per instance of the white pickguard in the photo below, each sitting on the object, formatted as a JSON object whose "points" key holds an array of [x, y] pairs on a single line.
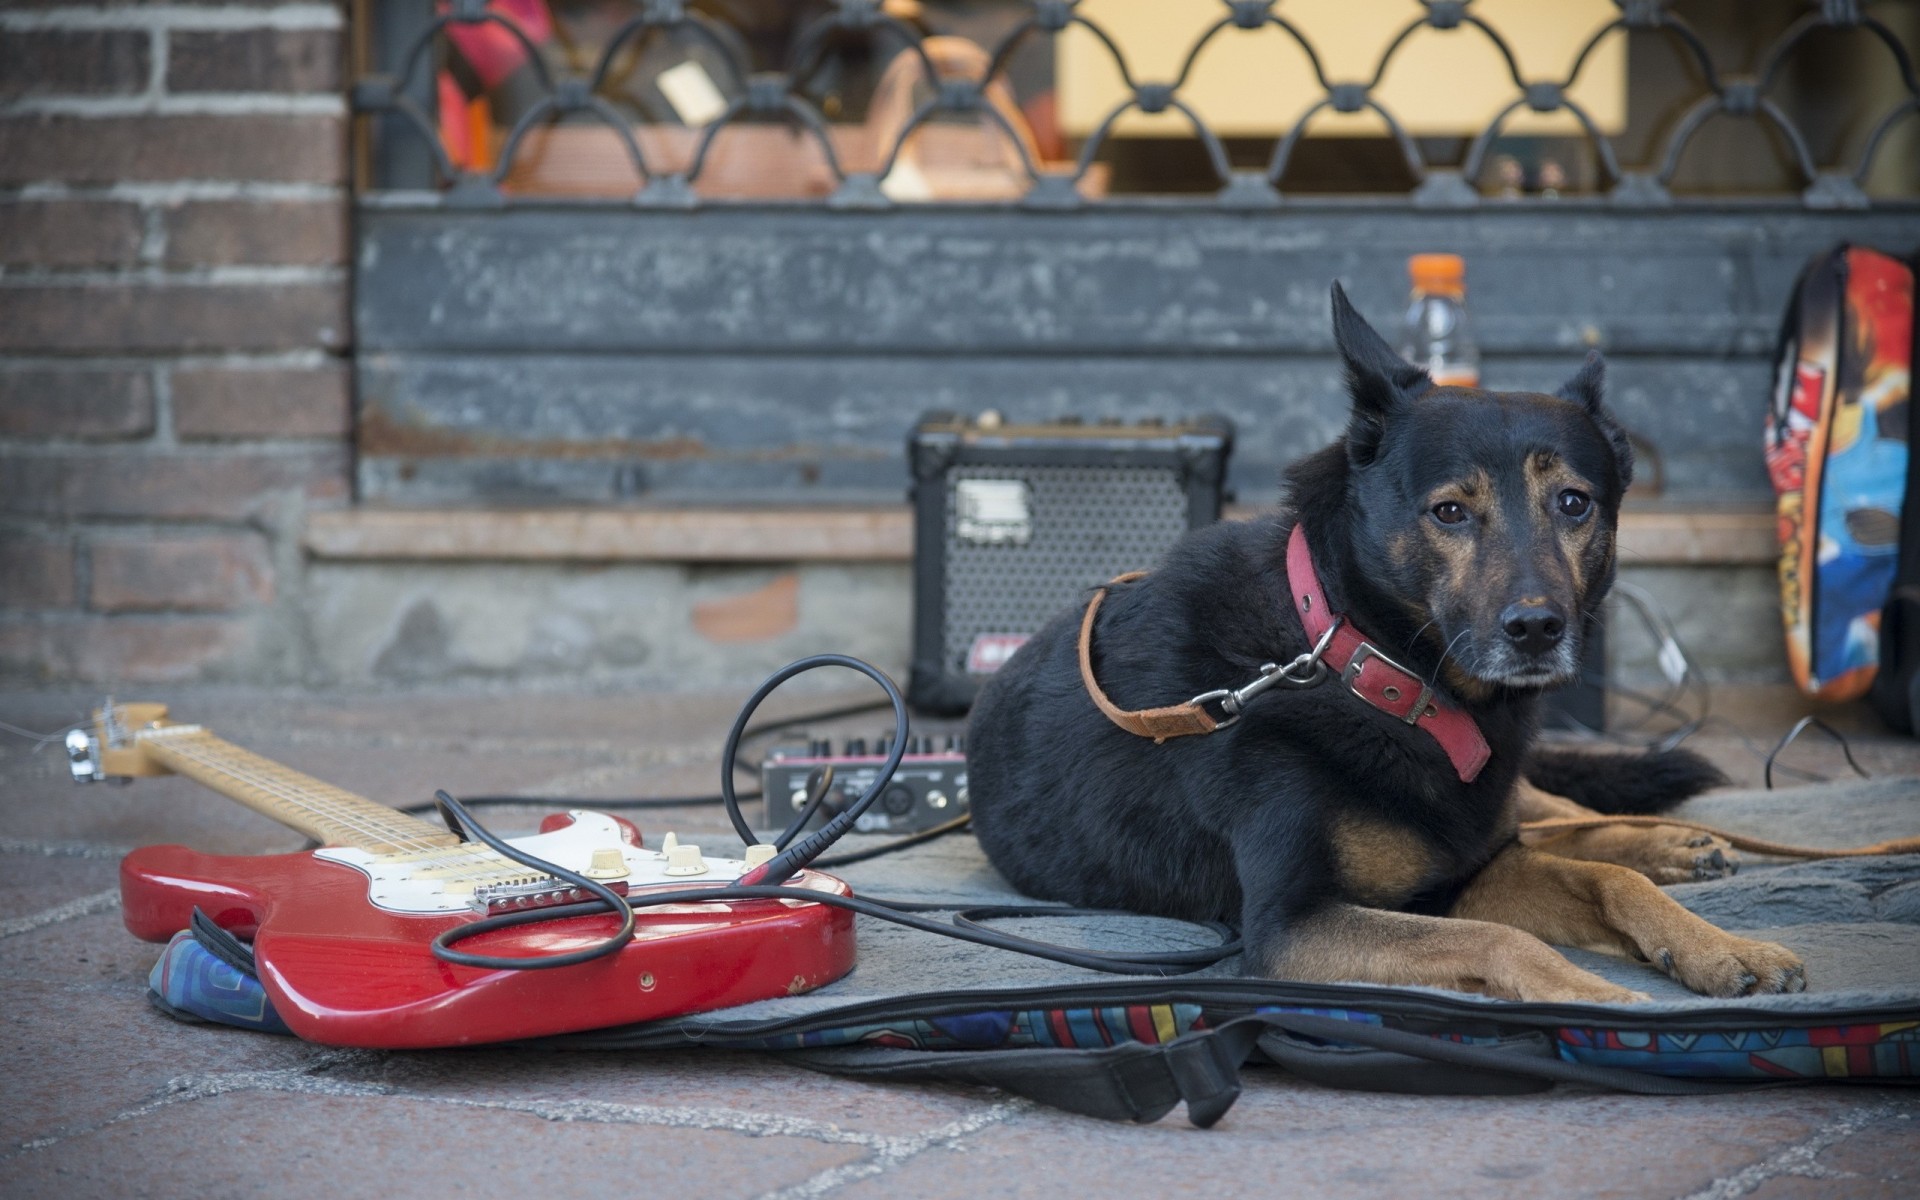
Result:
{"points": [[463, 878]]}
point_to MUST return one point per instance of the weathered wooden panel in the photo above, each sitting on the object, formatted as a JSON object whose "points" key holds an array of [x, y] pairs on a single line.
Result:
{"points": [[568, 429], [1125, 281], [880, 533]]}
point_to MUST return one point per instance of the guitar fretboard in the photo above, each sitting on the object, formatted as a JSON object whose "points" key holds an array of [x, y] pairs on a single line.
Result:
{"points": [[331, 815]]}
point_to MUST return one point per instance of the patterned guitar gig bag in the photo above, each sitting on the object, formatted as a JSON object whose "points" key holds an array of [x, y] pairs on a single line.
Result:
{"points": [[1837, 452]]}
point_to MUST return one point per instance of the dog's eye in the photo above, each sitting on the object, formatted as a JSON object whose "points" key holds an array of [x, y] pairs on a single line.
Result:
{"points": [[1575, 504], [1450, 512]]}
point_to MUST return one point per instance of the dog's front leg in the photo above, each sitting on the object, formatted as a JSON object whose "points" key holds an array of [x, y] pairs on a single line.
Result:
{"points": [[1615, 910], [1663, 853], [1345, 943]]}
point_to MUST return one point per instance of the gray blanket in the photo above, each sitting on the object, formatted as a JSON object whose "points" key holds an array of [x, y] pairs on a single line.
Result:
{"points": [[1856, 922]]}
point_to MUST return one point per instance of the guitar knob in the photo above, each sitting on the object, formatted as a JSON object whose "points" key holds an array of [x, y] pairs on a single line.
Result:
{"points": [[759, 853], [607, 863], [685, 860]]}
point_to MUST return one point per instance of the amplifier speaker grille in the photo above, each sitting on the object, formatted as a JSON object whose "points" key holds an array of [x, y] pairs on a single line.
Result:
{"points": [[1088, 525], [1013, 523]]}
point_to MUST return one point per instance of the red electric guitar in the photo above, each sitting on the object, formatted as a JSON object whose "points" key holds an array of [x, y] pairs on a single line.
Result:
{"points": [[341, 935]]}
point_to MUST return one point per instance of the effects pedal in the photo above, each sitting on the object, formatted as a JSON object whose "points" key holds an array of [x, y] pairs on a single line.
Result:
{"points": [[930, 787]]}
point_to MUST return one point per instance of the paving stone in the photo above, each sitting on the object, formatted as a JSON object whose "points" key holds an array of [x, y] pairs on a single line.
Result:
{"points": [[34, 883], [1327, 1143], [693, 1078], [78, 1052], [80, 1044], [295, 1146]]}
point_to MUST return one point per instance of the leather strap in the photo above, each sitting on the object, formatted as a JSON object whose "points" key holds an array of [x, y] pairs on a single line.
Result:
{"points": [[1175, 720], [1363, 667], [1376, 678], [1738, 841]]}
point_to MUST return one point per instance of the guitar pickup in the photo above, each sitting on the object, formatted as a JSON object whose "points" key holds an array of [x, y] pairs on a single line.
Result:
{"points": [[492, 899]]}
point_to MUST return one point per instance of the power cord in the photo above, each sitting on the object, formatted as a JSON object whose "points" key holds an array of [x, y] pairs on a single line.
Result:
{"points": [[1800, 727], [1677, 666], [767, 882]]}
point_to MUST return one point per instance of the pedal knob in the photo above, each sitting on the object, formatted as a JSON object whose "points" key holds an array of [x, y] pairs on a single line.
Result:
{"points": [[760, 853], [685, 860], [607, 863]]}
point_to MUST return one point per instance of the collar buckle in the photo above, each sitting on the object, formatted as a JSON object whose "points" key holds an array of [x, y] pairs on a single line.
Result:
{"points": [[1350, 676]]}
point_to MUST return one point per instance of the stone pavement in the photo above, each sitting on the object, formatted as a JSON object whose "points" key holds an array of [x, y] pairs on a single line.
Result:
{"points": [[101, 1095]]}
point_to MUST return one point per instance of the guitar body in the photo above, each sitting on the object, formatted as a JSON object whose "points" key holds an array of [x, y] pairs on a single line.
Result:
{"points": [[343, 936], [342, 971]]}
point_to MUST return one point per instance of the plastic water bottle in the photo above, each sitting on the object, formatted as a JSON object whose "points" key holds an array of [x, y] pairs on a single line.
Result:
{"points": [[1436, 335]]}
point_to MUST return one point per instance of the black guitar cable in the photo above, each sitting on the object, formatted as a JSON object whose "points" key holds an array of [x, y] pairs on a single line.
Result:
{"points": [[629, 803], [767, 882]]}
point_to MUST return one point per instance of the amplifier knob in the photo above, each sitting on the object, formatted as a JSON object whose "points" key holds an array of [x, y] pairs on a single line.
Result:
{"points": [[856, 747]]}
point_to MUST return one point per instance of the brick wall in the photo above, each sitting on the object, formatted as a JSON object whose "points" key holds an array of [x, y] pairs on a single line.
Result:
{"points": [[173, 397]]}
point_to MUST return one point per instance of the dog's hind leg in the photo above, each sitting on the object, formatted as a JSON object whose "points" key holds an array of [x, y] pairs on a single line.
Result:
{"points": [[1348, 943], [1663, 853], [1615, 910]]}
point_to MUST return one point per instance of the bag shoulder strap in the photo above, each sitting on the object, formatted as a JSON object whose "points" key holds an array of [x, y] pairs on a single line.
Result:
{"points": [[1142, 1083]]}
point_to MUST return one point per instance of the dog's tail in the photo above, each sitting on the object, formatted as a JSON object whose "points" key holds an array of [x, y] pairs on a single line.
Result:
{"points": [[1647, 783]]}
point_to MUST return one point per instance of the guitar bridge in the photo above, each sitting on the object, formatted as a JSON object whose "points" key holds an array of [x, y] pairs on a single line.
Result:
{"points": [[521, 895]]}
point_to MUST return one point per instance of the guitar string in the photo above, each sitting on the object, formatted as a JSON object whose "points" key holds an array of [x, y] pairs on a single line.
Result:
{"points": [[463, 862], [329, 805], [338, 806], [313, 799], [280, 782]]}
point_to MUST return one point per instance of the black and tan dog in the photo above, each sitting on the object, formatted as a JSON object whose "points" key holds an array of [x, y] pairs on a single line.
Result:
{"points": [[1444, 553]]}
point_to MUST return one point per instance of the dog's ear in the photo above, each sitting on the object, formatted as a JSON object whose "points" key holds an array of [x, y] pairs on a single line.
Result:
{"points": [[1587, 388], [1378, 380]]}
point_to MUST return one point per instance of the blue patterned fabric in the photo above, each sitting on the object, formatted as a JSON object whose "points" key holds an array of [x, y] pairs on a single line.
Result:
{"points": [[1888, 1050], [190, 978], [1085, 1028]]}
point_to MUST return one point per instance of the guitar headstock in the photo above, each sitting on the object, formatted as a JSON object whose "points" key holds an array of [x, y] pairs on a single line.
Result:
{"points": [[109, 750]]}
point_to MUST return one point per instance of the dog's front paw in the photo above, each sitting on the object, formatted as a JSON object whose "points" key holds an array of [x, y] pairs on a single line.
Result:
{"points": [[1725, 965], [1676, 854], [1663, 853]]}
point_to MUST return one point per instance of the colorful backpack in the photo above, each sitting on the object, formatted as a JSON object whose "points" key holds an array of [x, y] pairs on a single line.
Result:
{"points": [[1836, 450]]}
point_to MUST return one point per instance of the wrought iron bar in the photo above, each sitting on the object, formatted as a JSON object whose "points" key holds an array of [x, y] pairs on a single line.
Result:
{"points": [[780, 96]]}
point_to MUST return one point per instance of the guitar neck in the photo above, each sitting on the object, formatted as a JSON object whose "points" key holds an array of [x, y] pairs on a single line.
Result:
{"points": [[330, 815]]}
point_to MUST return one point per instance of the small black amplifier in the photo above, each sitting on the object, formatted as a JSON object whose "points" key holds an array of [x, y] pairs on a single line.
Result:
{"points": [[929, 789], [1014, 522]]}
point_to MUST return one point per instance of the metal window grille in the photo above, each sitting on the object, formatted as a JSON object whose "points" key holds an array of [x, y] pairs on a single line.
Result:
{"points": [[400, 101]]}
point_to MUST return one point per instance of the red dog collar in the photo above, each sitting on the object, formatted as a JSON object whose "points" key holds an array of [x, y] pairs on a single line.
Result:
{"points": [[1366, 670], [1376, 678]]}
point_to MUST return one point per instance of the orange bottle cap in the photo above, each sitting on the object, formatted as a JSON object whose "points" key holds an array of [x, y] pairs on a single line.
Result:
{"points": [[1442, 274]]}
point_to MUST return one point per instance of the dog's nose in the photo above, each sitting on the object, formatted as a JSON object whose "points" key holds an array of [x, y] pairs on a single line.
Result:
{"points": [[1533, 628]]}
